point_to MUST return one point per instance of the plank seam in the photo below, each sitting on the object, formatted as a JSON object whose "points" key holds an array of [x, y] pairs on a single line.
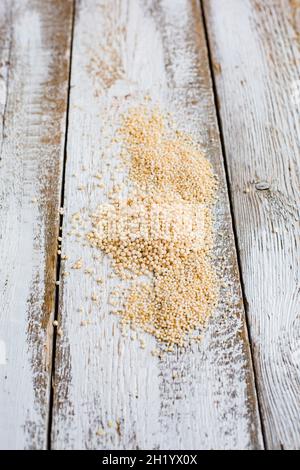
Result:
{"points": [[58, 259], [222, 141], [7, 82]]}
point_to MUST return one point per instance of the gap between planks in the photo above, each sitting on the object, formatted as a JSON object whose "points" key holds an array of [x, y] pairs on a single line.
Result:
{"points": [[60, 231], [219, 120]]}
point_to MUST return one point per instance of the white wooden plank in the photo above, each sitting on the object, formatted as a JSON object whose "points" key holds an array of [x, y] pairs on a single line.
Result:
{"points": [[34, 60], [255, 45], [204, 398]]}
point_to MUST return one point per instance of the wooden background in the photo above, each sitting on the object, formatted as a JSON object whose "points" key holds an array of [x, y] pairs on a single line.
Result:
{"points": [[229, 71]]}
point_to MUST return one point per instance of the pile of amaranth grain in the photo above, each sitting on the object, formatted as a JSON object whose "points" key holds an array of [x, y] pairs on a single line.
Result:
{"points": [[173, 187]]}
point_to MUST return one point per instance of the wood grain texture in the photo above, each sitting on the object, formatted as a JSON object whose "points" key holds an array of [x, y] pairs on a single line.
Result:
{"points": [[255, 47], [200, 399], [34, 63]]}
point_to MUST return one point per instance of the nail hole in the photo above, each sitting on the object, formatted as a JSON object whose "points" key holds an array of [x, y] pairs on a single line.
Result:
{"points": [[262, 185]]}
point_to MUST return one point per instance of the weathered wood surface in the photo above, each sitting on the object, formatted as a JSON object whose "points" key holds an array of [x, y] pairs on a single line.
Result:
{"points": [[34, 62], [204, 398], [255, 50]]}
